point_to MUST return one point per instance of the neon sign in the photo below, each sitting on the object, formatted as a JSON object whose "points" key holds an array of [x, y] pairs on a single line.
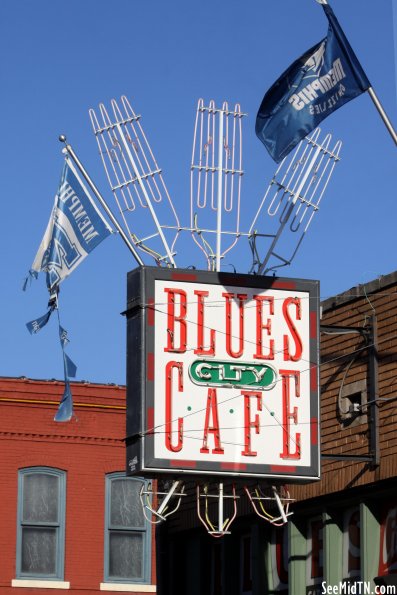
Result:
{"points": [[222, 374]]}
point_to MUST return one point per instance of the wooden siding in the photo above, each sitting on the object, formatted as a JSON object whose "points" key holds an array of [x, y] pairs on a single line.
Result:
{"points": [[345, 360]]}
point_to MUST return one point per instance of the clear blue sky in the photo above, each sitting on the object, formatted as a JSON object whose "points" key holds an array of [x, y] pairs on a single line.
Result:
{"points": [[61, 58]]}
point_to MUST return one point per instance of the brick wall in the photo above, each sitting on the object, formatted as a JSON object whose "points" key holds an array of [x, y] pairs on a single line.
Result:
{"points": [[87, 448]]}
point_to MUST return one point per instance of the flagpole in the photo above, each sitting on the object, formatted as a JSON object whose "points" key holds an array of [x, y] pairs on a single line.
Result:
{"points": [[98, 195], [383, 114], [376, 102]]}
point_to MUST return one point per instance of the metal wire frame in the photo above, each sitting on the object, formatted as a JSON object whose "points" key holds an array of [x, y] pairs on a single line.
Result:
{"points": [[294, 195], [169, 499], [163, 510], [223, 525], [256, 495], [135, 178], [281, 498], [215, 179]]}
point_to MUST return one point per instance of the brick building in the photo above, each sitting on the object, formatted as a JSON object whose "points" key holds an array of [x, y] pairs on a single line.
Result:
{"points": [[344, 527], [69, 517]]}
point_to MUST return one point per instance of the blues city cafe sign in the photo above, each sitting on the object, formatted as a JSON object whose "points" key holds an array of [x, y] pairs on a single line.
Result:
{"points": [[222, 374]]}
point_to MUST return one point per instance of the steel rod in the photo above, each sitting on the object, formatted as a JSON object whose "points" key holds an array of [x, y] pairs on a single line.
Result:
{"points": [[169, 495], [145, 194], [358, 458], [383, 114], [220, 507], [220, 191], [280, 506]]}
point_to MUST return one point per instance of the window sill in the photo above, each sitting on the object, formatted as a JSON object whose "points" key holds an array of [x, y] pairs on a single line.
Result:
{"points": [[38, 584], [127, 587]]}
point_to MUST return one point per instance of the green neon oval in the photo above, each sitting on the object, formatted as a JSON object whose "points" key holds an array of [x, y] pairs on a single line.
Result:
{"points": [[232, 374]]}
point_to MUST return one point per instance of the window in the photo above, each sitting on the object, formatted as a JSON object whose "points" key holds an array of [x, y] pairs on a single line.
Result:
{"points": [[41, 523], [127, 538]]}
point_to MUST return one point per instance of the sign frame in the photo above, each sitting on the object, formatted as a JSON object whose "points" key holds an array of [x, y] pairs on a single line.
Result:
{"points": [[142, 372]]}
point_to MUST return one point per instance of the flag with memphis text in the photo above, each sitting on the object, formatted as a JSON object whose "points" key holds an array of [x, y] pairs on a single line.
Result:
{"points": [[322, 80], [75, 228]]}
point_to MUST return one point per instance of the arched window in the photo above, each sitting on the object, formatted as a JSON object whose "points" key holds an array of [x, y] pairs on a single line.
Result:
{"points": [[127, 532], [41, 523]]}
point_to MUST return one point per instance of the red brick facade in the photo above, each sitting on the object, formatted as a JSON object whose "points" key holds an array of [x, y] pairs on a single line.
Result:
{"points": [[87, 449]]}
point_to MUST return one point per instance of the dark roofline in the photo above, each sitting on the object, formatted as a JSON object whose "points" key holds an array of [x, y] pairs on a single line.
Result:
{"points": [[360, 291]]}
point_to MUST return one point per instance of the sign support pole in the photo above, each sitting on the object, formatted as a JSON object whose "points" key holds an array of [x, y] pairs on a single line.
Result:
{"points": [[383, 114]]}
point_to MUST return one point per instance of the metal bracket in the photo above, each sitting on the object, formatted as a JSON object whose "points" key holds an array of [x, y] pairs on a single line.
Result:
{"points": [[370, 334], [331, 329]]}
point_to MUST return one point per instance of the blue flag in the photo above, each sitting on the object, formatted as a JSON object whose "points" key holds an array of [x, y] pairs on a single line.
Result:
{"points": [[75, 228], [34, 326], [326, 77], [65, 409]]}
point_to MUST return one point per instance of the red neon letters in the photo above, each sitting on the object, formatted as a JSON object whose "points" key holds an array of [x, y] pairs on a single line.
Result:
{"points": [[188, 329]]}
